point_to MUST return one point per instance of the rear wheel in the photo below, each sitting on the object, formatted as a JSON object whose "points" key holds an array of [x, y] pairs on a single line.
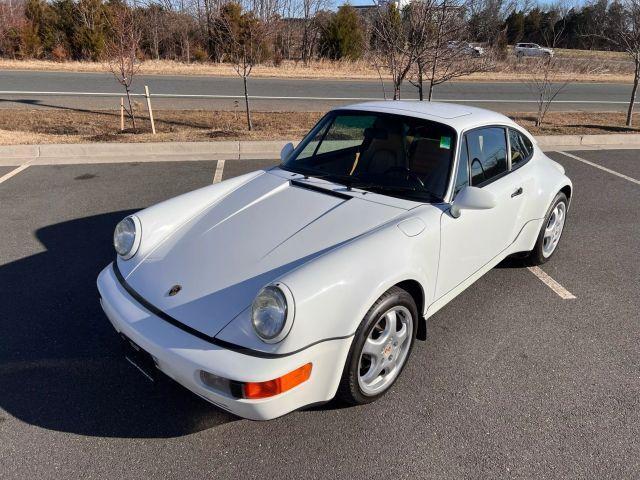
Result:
{"points": [[380, 348], [551, 231]]}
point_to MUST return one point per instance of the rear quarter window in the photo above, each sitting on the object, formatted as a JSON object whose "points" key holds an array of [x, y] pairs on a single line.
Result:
{"points": [[520, 146]]}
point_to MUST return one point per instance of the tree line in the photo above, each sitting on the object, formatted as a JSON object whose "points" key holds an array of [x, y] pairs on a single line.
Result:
{"points": [[423, 42], [192, 30]]}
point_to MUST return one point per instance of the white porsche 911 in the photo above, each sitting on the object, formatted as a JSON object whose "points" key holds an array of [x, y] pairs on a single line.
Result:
{"points": [[281, 288]]}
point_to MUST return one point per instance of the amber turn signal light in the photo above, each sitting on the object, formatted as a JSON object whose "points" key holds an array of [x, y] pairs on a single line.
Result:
{"points": [[254, 390]]}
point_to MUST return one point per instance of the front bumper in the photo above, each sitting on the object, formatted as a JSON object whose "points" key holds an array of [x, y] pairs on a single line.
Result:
{"points": [[182, 357]]}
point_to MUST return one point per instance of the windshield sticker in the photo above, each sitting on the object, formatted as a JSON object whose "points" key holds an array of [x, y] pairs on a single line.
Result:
{"points": [[445, 142]]}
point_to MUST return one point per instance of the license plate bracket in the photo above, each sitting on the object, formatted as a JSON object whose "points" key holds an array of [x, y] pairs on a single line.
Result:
{"points": [[139, 358]]}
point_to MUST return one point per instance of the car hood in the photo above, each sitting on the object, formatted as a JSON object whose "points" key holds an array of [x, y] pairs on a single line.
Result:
{"points": [[251, 237]]}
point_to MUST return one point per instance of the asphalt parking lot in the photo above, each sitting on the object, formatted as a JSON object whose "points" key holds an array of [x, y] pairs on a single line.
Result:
{"points": [[513, 381]]}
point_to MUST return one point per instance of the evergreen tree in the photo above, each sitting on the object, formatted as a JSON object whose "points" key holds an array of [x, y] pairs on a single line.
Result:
{"points": [[343, 36]]}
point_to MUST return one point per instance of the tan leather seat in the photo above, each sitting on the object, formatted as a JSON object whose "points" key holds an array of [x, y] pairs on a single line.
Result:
{"points": [[383, 153], [431, 163]]}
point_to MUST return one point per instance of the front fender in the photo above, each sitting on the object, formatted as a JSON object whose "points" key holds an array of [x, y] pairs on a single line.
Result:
{"points": [[333, 292]]}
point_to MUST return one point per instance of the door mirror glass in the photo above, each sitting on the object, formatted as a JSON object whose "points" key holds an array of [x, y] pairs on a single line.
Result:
{"points": [[472, 198], [286, 151]]}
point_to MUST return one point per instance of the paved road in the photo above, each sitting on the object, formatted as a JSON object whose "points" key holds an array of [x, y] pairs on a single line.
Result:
{"points": [[513, 382], [505, 96]]}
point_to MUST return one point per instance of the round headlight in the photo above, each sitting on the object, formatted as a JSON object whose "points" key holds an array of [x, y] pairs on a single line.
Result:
{"points": [[125, 239], [269, 314]]}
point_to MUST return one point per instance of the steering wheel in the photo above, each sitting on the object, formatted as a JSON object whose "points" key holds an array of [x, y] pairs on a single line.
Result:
{"points": [[476, 160], [410, 175]]}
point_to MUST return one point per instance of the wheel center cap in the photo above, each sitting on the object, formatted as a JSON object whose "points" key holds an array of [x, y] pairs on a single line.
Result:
{"points": [[387, 350]]}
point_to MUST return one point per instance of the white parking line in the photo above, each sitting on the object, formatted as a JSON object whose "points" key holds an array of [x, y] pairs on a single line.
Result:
{"points": [[608, 170], [217, 177], [551, 283], [14, 172]]}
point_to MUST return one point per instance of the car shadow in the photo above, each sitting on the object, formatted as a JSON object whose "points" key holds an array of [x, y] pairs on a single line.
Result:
{"points": [[61, 365], [514, 261]]}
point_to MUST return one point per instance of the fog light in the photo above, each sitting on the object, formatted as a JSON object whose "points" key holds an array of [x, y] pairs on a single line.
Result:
{"points": [[221, 385]]}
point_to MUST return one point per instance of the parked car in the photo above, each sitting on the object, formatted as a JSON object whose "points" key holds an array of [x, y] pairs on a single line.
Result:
{"points": [[532, 50], [466, 48], [285, 287]]}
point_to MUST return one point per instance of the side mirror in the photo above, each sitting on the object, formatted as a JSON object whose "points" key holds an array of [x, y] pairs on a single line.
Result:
{"points": [[286, 151], [472, 198]]}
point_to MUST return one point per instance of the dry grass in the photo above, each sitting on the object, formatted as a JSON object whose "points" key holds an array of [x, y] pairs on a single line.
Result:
{"points": [[591, 54], [68, 126], [288, 69], [609, 68], [577, 123]]}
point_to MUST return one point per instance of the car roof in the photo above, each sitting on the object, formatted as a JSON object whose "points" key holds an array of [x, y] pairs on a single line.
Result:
{"points": [[459, 117]]}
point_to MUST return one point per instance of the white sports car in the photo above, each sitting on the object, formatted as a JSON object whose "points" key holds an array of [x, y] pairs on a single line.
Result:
{"points": [[281, 288]]}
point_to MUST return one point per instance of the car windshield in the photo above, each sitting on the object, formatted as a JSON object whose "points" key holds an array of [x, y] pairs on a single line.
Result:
{"points": [[391, 154]]}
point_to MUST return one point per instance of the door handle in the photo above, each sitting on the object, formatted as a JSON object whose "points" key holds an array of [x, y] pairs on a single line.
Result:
{"points": [[517, 192]]}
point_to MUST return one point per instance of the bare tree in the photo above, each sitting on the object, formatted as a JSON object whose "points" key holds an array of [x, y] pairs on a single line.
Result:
{"points": [[12, 21], [487, 16], [393, 44], [246, 45], [546, 79], [627, 38], [155, 24], [546, 83], [310, 27], [122, 51], [262, 9], [446, 53]]}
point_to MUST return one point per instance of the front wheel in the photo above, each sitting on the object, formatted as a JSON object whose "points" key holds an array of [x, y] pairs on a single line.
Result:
{"points": [[380, 348], [551, 231]]}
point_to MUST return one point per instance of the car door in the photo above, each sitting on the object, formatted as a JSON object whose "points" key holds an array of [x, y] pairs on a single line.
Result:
{"points": [[478, 236], [521, 152]]}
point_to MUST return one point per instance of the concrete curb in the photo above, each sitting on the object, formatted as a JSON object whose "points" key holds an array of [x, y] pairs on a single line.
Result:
{"points": [[60, 154], [619, 140]]}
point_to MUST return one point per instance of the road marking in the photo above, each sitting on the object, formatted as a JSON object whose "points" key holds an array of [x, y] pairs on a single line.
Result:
{"points": [[217, 177], [605, 169], [551, 283], [275, 97], [14, 172]]}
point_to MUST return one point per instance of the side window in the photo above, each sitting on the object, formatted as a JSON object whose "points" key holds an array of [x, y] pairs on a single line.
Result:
{"points": [[521, 147], [313, 144], [462, 175], [487, 152]]}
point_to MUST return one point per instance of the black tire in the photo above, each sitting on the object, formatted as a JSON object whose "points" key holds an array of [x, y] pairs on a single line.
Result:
{"points": [[536, 256], [349, 389]]}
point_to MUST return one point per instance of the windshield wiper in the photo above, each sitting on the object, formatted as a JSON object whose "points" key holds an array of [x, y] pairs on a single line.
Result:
{"points": [[345, 180], [353, 182], [415, 193], [377, 187], [339, 178]]}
